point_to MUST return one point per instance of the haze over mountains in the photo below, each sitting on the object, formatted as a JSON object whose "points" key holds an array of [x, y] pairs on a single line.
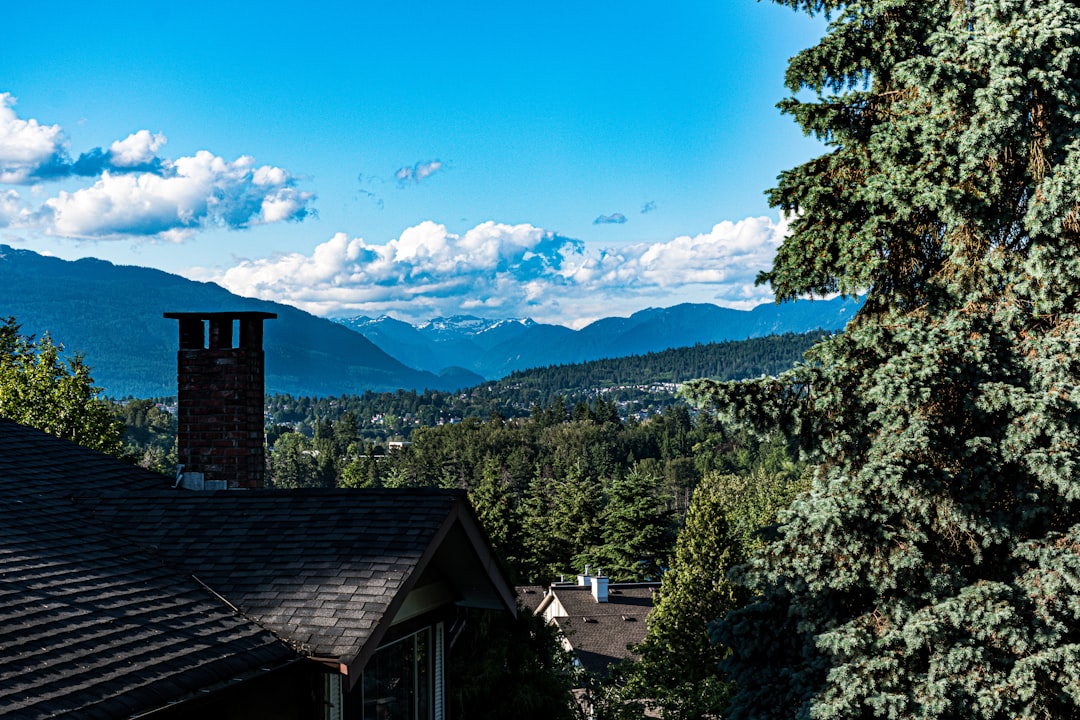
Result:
{"points": [[495, 348], [113, 315]]}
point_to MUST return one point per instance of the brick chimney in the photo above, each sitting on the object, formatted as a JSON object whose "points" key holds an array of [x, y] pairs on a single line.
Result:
{"points": [[220, 426]]}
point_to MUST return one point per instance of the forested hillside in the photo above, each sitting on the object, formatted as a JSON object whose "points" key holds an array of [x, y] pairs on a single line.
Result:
{"points": [[733, 360], [637, 386], [550, 457], [547, 488], [496, 348], [112, 315]]}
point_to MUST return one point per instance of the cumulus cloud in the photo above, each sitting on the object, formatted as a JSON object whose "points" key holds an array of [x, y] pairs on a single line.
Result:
{"points": [[135, 153], [136, 150], [417, 172], [613, 219], [425, 270], [11, 208], [648, 207], [513, 271], [190, 193], [135, 192], [29, 151]]}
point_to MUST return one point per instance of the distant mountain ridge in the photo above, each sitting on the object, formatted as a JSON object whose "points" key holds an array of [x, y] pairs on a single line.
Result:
{"points": [[496, 348], [113, 315]]}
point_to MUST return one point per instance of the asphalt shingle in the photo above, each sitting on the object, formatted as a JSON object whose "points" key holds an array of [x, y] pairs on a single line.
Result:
{"points": [[601, 633], [118, 592], [279, 556], [88, 623]]}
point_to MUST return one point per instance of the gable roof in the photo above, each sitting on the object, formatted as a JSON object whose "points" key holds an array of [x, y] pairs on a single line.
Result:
{"points": [[88, 623], [600, 632], [326, 570], [119, 594]]}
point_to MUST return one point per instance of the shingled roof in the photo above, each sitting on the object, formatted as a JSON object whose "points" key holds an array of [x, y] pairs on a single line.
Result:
{"points": [[326, 570], [89, 624], [119, 594], [600, 633]]}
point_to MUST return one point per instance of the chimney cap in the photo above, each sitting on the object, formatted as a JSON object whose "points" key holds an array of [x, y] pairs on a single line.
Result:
{"points": [[236, 315]]}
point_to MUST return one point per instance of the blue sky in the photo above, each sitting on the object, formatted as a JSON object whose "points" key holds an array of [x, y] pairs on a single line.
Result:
{"points": [[562, 161]]}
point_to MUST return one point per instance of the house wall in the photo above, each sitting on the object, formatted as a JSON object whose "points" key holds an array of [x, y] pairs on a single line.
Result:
{"points": [[422, 641]]}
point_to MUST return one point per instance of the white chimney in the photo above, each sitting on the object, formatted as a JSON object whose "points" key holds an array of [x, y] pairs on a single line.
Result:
{"points": [[599, 588], [584, 580]]}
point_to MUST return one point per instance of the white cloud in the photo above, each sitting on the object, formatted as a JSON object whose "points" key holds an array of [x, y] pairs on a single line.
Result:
{"points": [[512, 271], [419, 171], [136, 149], [134, 193], [190, 193], [26, 147], [11, 208]]}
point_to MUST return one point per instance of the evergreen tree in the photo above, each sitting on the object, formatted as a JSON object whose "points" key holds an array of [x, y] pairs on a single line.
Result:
{"points": [[932, 570], [578, 502], [149, 434], [540, 549], [678, 670], [296, 462], [679, 665], [636, 526], [496, 507], [361, 471]]}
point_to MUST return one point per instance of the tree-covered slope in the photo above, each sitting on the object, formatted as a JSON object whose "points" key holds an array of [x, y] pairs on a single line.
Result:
{"points": [[731, 360], [495, 349], [113, 315]]}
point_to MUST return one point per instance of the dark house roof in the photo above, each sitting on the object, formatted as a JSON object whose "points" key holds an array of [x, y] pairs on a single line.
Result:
{"points": [[89, 623], [326, 570], [530, 596], [119, 594], [600, 633]]}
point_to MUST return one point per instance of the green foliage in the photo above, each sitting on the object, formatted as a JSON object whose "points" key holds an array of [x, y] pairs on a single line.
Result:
{"points": [[41, 388], [298, 461], [637, 527], [568, 487], [504, 667], [729, 360], [574, 519], [149, 434], [496, 506], [930, 570], [679, 667]]}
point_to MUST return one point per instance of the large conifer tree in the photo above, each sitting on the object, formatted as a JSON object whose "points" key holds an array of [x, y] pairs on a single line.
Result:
{"points": [[934, 568]]}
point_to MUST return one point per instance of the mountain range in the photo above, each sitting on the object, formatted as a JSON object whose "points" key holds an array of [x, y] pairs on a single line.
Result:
{"points": [[113, 315], [495, 348]]}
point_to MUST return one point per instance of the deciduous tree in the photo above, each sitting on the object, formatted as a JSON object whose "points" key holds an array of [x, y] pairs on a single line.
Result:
{"points": [[42, 388]]}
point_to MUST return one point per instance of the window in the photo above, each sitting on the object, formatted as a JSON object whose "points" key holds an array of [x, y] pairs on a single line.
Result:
{"points": [[403, 680]]}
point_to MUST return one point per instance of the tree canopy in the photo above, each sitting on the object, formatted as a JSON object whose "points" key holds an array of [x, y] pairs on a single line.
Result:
{"points": [[41, 388], [931, 570]]}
